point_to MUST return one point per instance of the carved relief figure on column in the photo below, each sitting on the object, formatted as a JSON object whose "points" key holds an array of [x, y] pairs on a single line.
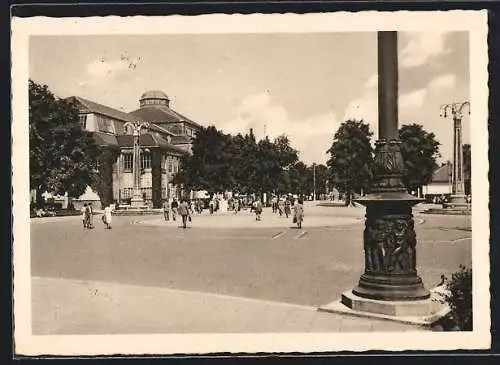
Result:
{"points": [[390, 245]]}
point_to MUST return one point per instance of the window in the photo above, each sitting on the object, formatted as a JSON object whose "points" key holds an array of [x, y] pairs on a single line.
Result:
{"points": [[127, 161], [105, 124], [145, 160], [83, 121]]}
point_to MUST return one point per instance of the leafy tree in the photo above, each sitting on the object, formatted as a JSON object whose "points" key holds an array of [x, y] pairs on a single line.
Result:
{"points": [[208, 167], [467, 167], [63, 157], [299, 179], [268, 168], [287, 156], [420, 150], [351, 158], [243, 162]]}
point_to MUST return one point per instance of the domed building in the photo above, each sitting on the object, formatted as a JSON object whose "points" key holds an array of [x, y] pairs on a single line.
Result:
{"points": [[163, 144], [154, 107], [154, 97]]}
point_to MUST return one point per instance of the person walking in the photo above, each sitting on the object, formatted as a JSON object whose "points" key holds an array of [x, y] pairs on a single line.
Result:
{"points": [[91, 216], [174, 206], [236, 206], [166, 210], [258, 210], [84, 215], [281, 207], [298, 213], [107, 217], [211, 206], [288, 211], [184, 212]]}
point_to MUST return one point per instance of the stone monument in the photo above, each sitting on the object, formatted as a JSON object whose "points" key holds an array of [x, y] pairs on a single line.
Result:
{"points": [[137, 200]]}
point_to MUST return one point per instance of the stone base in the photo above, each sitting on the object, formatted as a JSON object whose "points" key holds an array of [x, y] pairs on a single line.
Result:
{"points": [[415, 308], [407, 287], [138, 203], [137, 212], [448, 211], [420, 312]]}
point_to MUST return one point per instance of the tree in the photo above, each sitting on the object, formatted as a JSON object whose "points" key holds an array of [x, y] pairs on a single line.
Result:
{"points": [[245, 163], [209, 167], [299, 179], [420, 150], [287, 156], [269, 166], [351, 158], [63, 157], [467, 168]]}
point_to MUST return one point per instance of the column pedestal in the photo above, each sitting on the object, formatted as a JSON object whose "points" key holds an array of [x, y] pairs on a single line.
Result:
{"points": [[390, 284], [137, 200]]}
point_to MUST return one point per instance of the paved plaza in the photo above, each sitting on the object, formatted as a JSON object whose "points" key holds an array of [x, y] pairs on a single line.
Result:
{"points": [[225, 273]]}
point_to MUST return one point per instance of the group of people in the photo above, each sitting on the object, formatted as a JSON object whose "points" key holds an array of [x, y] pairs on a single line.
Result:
{"points": [[88, 216], [184, 209], [283, 206]]}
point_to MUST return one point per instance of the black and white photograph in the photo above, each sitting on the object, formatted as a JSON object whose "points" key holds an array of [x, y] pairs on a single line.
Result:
{"points": [[250, 183]]}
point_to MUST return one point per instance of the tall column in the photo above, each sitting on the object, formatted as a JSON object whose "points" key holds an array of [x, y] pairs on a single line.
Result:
{"points": [[457, 175], [136, 127], [389, 237]]}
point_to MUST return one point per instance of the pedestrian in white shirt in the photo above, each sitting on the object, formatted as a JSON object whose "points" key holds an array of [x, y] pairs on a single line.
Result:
{"points": [[107, 217]]}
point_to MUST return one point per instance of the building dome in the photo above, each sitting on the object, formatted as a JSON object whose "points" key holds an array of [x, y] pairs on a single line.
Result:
{"points": [[154, 97]]}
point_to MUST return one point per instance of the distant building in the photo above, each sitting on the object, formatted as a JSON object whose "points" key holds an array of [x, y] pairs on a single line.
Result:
{"points": [[440, 183], [155, 109], [167, 139]]}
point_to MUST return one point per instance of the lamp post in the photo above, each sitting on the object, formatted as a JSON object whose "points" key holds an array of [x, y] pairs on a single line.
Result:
{"points": [[390, 275], [457, 173], [136, 127]]}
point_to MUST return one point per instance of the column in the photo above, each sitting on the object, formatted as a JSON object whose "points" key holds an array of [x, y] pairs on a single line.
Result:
{"points": [[458, 178], [389, 237]]}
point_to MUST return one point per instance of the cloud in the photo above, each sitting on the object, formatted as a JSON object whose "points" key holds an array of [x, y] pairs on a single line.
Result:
{"points": [[103, 68], [439, 83], [100, 71], [414, 99], [311, 136], [365, 107], [422, 47]]}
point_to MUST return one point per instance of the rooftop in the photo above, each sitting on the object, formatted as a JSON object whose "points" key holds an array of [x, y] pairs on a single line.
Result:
{"points": [[161, 114], [442, 174], [154, 94], [93, 107]]}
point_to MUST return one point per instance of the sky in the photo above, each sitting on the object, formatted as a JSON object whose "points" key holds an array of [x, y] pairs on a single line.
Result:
{"points": [[303, 85]]}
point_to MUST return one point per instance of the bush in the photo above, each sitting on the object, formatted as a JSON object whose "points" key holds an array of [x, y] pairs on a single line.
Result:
{"points": [[460, 297]]}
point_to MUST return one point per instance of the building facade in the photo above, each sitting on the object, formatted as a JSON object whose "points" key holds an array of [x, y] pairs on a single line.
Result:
{"points": [[440, 185], [163, 144]]}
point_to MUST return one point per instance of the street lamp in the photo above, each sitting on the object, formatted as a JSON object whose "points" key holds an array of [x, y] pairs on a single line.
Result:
{"points": [[457, 175], [136, 127]]}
